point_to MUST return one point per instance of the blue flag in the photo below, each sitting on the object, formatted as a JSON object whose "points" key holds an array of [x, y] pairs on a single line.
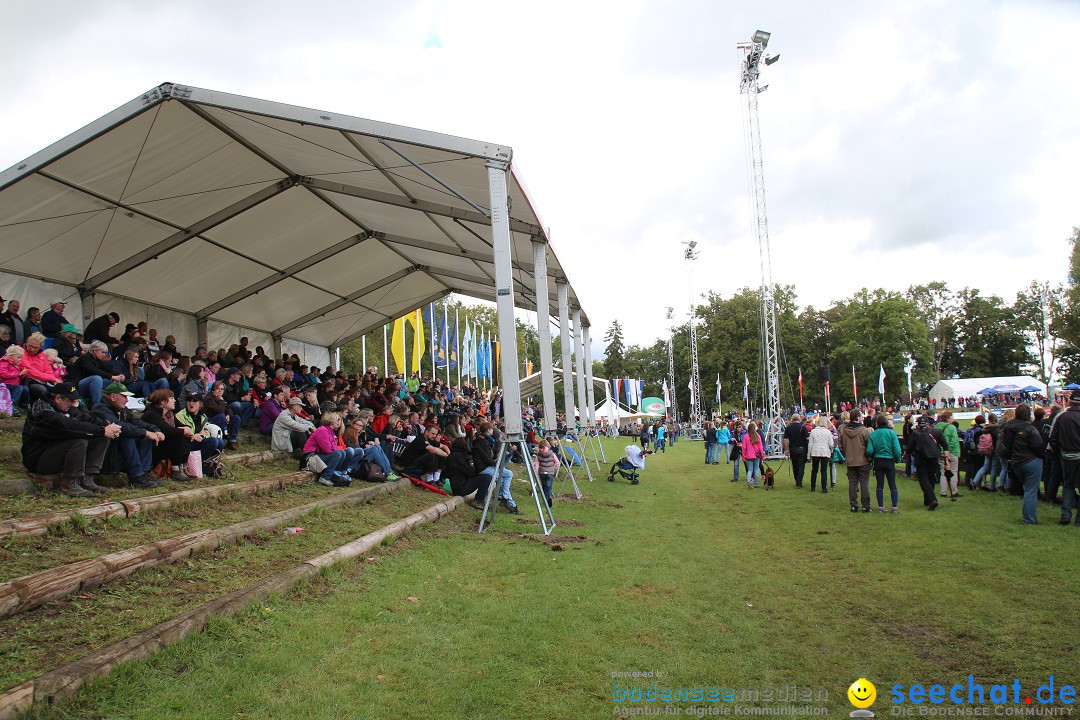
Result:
{"points": [[442, 350], [452, 347]]}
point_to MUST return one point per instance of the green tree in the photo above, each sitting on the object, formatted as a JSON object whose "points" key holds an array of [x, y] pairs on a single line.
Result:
{"points": [[939, 308], [1040, 312], [1069, 322], [615, 351], [993, 342]]}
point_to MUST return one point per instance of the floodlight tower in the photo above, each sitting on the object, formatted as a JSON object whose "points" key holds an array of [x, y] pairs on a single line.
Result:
{"points": [[691, 255], [673, 410], [752, 56]]}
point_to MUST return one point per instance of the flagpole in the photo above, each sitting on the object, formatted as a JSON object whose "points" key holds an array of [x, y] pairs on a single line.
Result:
{"points": [[854, 386], [457, 341], [363, 352], [434, 370], [802, 406], [385, 353], [446, 339]]}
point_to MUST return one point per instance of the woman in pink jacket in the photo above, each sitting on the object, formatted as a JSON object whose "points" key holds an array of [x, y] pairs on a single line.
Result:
{"points": [[753, 450], [35, 363]]}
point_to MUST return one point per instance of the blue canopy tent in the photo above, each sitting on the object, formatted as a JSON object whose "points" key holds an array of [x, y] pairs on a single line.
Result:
{"points": [[1072, 386], [1030, 389]]}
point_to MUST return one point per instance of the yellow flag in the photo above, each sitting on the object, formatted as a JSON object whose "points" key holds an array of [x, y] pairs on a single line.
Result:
{"points": [[416, 319], [397, 344], [495, 369]]}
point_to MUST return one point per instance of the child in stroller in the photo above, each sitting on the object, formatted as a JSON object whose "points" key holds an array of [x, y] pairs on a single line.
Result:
{"points": [[629, 466]]}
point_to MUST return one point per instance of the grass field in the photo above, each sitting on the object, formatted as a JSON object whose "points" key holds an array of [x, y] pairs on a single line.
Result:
{"points": [[687, 574]]}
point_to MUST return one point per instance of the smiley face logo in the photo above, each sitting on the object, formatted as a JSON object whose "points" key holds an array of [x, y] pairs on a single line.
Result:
{"points": [[862, 693]]}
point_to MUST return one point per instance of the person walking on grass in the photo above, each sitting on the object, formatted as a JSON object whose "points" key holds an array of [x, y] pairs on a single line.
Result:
{"points": [[753, 451], [925, 445], [796, 437], [883, 448], [950, 460], [1024, 451], [853, 439]]}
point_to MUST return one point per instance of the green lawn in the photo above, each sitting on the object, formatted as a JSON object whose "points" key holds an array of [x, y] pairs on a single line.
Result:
{"points": [[702, 579]]}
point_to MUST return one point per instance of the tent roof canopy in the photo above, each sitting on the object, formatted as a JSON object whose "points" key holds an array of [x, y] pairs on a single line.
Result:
{"points": [[298, 222], [968, 387], [532, 385]]}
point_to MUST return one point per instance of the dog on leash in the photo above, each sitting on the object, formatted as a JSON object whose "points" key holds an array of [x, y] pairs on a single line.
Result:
{"points": [[767, 478]]}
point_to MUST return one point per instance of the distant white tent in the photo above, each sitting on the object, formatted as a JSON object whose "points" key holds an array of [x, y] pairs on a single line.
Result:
{"points": [[970, 387]]}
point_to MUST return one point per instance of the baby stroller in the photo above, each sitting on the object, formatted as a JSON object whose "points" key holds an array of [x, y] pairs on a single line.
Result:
{"points": [[629, 466]]}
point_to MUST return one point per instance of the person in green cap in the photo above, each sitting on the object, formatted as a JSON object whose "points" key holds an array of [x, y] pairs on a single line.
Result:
{"points": [[134, 449]]}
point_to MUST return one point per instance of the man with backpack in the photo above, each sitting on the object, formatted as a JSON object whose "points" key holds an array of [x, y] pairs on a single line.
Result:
{"points": [[925, 445], [973, 461]]}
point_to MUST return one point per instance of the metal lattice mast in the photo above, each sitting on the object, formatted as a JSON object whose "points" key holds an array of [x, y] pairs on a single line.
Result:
{"points": [[695, 373], [752, 56], [673, 411]]}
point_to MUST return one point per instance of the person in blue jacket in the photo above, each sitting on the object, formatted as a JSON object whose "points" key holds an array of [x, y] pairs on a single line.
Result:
{"points": [[723, 439]]}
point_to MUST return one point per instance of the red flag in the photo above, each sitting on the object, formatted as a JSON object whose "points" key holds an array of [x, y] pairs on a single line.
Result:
{"points": [[854, 387], [800, 386]]}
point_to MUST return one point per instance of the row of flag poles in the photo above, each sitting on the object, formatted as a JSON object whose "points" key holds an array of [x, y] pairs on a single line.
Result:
{"points": [[474, 354]]}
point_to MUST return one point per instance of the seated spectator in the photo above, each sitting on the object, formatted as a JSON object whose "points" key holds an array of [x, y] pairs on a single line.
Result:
{"points": [[35, 366], [66, 344], [6, 338], [134, 449], [160, 407], [324, 443], [170, 345], [56, 362], [239, 401], [60, 437], [54, 319], [134, 375], [464, 480], [152, 342], [158, 369], [219, 413], [193, 417], [271, 409], [32, 324], [370, 447], [425, 456], [91, 372], [128, 337], [100, 328], [194, 383], [290, 431], [12, 319], [11, 375], [484, 460]]}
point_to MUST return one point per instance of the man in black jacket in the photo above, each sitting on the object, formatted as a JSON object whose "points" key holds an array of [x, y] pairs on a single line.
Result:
{"points": [[1065, 449], [101, 329], [60, 437], [135, 446]]}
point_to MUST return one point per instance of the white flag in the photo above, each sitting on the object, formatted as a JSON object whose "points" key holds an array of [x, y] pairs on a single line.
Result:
{"points": [[881, 381]]}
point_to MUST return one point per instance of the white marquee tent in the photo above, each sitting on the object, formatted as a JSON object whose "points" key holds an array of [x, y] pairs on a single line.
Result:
{"points": [[969, 387], [212, 216]]}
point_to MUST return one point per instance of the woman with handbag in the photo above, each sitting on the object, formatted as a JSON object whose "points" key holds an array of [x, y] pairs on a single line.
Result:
{"points": [[820, 448], [170, 455]]}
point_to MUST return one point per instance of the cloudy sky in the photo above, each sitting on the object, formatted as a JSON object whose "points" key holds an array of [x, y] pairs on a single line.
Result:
{"points": [[903, 142]]}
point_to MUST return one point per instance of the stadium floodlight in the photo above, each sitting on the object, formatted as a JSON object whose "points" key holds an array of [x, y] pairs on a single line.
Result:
{"points": [[771, 59], [761, 37]]}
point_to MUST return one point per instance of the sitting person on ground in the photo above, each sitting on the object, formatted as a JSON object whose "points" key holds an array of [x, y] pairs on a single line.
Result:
{"points": [[158, 369], [192, 416], [269, 411], [221, 414], [425, 456], [484, 449], [91, 372], [356, 436], [60, 437], [324, 443], [11, 375], [239, 400], [35, 366], [194, 382], [160, 412], [464, 480], [67, 346], [133, 451], [290, 431], [546, 463], [56, 362]]}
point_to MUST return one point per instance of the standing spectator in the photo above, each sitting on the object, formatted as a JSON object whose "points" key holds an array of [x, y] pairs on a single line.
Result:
{"points": [[12, 319], [853, 439], [925, 445], [820, 447], [796, 438], [883, 449], [1051, 477], [135, 446], [736, 449], [59, 437], [723, 440], [710, 443], [661, 438], [753, 450], [986, 447], [160, 412], [1065, 448], [972, 459], [1024, 451], [950, 461], [54, 319]]}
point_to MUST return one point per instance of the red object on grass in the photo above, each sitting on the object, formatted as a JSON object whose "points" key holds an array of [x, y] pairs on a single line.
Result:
{"points": [[420, 483]]}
